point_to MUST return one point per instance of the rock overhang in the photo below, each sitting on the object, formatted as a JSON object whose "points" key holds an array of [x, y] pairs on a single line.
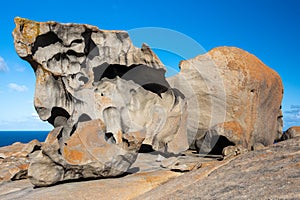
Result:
{"points": [[94, 85], [103, 96]]}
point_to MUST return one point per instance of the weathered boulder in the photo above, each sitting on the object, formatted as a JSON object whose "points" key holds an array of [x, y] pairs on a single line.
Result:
{"points": [[292, 132], [15, 158], [103, 96], [230, 93], [269, 173], [106, 97]]}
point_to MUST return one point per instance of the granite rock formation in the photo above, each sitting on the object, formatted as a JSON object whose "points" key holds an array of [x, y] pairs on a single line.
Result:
{"points": [[292, 132], [15, 159], [269, 173], [238, 99], [103, 96]]}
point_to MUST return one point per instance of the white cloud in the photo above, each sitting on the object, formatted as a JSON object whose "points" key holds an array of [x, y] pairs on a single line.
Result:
{"points": [[27, 123], [291, 116], [18, 88], [298, 115], [35, 116], [3, 65], [20, 69]]}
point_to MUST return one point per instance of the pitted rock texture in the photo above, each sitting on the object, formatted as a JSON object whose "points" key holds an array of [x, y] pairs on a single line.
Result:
{"points": [[103, 96], [86, 154], [232, 94]]}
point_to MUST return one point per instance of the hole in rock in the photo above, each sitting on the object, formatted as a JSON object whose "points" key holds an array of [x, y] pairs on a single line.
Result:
{"points": [[126, 141], [109, 137], [149, 78], [76, 41], [146, 148], [83, 79], [45, 40], [90, 49], [74, 53], [220, 143], [21, 27], [35, 148], [56, 112]]}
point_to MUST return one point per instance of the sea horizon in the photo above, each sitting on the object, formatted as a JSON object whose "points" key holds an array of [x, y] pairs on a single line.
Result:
{"points": [[8, 137]]}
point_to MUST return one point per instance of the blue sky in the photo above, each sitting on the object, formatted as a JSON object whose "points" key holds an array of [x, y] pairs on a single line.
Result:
{"points": [[270, 29]]}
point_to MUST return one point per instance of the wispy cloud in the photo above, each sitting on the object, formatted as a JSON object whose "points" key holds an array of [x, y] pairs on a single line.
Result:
{"points": [[25, 123], [3, 65], [18, 88], [295, 107], [292, 116], [20, 69], [34, 115]]}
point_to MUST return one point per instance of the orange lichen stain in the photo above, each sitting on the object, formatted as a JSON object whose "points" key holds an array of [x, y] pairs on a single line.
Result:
{"points": [[73, 156], [23, 166], [297, 165], [295, 128], [29, 29], [44, 75], [152, 179], [105, 100], [233, 126], [265, 155], [37, 101], [155, 179]]}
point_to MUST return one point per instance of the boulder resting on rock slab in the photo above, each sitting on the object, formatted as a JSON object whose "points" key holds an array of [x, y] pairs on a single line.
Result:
{"points": [[290, 133], [230, 93], [88, 153], [103, 96], [106, 97]]}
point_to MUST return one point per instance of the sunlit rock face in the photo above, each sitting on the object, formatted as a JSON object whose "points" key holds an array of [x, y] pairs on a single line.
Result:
{"points": [[103, 96], [239, 99]]}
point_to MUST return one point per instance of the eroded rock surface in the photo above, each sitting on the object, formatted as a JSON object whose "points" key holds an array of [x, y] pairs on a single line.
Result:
{"points": [[103, 96], [269, 173], [128, 187], [292, 132], [232, 96], [15, 159]]}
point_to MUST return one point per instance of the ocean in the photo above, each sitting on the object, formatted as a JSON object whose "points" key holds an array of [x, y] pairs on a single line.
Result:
{"points": [[10, 137]]}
